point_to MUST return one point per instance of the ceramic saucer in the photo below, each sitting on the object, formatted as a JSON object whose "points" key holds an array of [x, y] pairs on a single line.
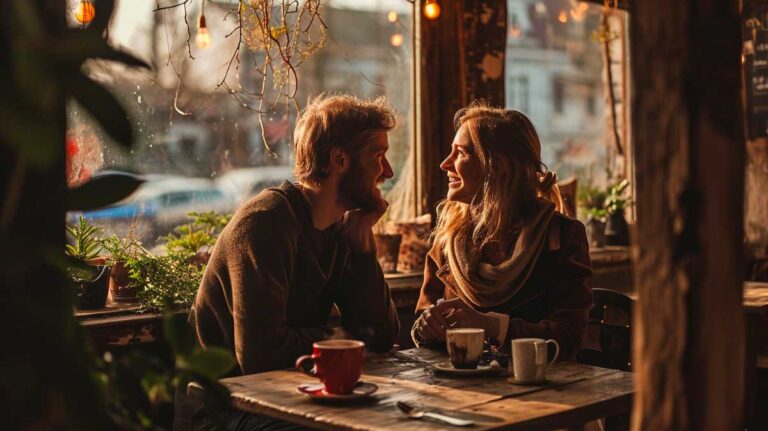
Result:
{"points": [[514, 381], [481, 370], [316, 392]]}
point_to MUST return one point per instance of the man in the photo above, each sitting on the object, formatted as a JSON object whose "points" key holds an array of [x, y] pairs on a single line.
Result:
{"points": [[291, 253]]}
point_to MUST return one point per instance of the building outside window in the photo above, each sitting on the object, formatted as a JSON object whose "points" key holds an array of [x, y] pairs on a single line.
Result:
{"points": [[555, 46], [199, 143]]}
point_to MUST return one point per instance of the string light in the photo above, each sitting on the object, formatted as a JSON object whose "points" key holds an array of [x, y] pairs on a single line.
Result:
{"points": [[563, 17], [396, 39], [431, 9], [85, 12], [392, 16], [202, 38]]}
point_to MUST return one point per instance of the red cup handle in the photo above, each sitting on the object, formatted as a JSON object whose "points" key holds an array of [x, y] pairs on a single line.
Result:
{"points": [[306, 364]]}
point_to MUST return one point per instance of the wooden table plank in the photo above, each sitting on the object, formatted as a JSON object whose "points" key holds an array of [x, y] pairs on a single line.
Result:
{"points": [[493, 403]]}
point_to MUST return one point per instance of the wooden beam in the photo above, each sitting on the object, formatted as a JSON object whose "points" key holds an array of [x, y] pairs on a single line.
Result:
{"points": [[460, 59], [689, 154]]}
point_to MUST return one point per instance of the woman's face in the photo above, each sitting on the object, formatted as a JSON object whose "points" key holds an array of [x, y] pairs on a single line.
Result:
{"points": [[465, 174]]}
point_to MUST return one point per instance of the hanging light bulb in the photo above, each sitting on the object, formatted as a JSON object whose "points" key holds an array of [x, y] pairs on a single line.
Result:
{"points": [[396, 39], [85, 12], [202, 38], [431, 9], [392, 16], [562, 17]]}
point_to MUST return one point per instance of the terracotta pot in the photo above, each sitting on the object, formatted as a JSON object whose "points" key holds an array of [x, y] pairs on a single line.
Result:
{"points": [[388, 250], [92, 290], [121, 287]]}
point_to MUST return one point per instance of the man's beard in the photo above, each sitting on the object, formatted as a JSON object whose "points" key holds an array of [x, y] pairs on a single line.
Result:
{"points": [[355, 192]]}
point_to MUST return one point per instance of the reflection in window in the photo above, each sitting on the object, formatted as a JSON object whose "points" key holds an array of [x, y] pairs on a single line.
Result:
{"points": [[199, 147]]}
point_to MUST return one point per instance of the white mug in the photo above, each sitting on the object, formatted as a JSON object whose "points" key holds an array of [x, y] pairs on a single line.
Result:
{"points": [[529, 359]]}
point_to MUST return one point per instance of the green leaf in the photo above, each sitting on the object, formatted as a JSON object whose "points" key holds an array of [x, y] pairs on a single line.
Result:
{"points": [[76, 46], [212, 362], [27, 16], [104, 107], [34, 141], [178, 333], [102, 190]]}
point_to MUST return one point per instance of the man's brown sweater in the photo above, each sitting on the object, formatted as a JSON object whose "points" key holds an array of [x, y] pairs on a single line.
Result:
{"points": [[272, 281]]}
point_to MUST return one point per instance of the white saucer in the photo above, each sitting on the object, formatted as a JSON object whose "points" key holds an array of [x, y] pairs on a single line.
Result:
{"points": [[481, 370], [316, 392]]}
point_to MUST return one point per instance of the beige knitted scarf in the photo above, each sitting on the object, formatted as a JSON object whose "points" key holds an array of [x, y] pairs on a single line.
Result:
{"points": [[484, 285]]}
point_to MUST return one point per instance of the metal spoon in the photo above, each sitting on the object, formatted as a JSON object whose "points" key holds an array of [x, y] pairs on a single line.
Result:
{"points": [[416, 413]]}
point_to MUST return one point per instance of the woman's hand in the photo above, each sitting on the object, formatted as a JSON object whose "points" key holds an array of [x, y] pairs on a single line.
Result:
{"points": [[458, 314], [454, 313]]}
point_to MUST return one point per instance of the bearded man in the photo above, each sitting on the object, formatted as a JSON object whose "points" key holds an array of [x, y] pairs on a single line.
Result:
{"points": [[293, 252]]}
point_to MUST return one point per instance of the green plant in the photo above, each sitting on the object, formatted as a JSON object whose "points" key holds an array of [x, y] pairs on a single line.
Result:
{"points": [[170, 281], [616, 200], [87, 240], [592, 202], [200, 233], [122, 250]]}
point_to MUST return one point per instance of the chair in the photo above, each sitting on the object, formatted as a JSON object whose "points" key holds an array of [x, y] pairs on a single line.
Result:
{"points": [[608, 342], [568, 188]]}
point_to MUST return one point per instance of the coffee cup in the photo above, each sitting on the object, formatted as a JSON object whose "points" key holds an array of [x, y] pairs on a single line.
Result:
{"points": [[337, 363], [530, 359], [465, 346]]}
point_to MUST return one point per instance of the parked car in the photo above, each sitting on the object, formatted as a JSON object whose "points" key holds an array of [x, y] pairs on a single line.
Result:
{"points": [[158, 206], [242, 183]]}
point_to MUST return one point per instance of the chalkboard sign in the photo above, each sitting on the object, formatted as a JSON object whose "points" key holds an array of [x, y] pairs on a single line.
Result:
{"points": [[755, 57]]}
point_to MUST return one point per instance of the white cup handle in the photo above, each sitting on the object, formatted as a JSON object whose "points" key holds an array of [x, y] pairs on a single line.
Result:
{"points": [[557, 352]]}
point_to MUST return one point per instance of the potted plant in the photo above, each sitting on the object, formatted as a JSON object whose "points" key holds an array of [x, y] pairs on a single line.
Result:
{"points": [[197, 237], [592, 203], [616, 227], [121, 254], [91, 276]]}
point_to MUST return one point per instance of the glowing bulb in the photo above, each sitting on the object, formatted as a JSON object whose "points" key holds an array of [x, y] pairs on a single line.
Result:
{"points": [[392, 16], [431, 9], [85, 12], [515, 31], [202, 38], [563, 17], [396, 39]]}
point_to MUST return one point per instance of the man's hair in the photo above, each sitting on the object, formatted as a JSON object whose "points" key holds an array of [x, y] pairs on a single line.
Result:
{"points": [[341, 121]]}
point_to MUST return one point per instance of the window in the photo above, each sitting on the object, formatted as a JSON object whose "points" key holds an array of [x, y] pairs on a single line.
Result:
{"points": [[558, 47], [199, 144]]}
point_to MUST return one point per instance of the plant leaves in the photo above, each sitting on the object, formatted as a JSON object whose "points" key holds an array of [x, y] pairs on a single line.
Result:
{"points": [[212, 362], [104, 107], [178, 333], [76, 46], [103, 189]]}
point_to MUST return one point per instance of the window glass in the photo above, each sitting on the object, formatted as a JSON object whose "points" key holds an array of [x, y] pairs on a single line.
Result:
{"points": [[199, 142], [555, 74]]}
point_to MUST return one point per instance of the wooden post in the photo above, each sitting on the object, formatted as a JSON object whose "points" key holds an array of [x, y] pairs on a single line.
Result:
{"points": [[460, 59], [689, 154]]}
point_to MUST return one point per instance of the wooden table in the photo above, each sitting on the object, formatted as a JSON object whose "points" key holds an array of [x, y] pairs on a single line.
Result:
{"points": [[577, 394]]}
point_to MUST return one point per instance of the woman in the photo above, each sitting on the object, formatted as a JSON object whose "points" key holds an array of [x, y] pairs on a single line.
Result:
{"points": [[504, 257]]}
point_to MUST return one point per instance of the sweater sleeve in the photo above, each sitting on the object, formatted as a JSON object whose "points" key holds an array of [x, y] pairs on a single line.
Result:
{"points": [[260, 258], [568, 299], [365, 303]]}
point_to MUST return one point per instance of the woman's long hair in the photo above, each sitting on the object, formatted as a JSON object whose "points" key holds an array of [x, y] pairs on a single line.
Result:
{"points": [[509, 152]]}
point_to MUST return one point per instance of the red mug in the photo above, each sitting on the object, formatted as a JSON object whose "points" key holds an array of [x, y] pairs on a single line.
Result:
{"points": [[337, 363]]}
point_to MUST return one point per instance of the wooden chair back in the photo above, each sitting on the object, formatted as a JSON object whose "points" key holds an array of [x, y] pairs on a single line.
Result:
{"points": [[568, 189], [608, 342]]}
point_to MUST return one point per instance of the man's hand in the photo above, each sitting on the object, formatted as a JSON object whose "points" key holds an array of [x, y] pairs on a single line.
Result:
{"points": [[358, 226]]}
